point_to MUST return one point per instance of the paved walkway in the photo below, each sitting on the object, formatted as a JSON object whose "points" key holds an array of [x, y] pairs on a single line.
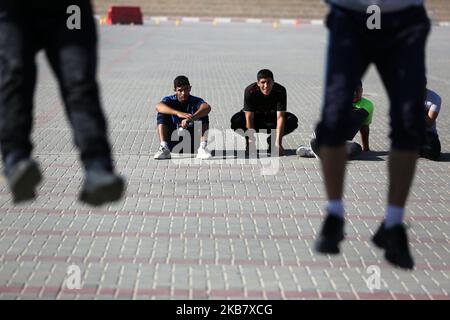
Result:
{"points": [[224, 228]]}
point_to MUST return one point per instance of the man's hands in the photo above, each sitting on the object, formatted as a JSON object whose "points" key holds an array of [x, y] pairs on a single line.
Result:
{"points": [[184, 115], [187, 118]]}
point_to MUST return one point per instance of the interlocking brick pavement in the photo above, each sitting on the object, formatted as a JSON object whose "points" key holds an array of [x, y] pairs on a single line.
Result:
{"points": [[218, 229]]}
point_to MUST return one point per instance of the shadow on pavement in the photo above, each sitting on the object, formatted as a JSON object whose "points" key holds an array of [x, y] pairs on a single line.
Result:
{"points": [[371, 156], [445, 157]]}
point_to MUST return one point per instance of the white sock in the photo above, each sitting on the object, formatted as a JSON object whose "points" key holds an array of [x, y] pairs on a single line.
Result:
{"points": [[336, 208], [394, 216], [164, 144], [203, 144]]}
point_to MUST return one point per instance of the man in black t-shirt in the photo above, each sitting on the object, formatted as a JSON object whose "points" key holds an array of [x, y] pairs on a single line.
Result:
{"points": [[265, 104]]}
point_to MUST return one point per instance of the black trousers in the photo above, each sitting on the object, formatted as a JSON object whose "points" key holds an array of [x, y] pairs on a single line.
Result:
{"points": [[431, 149], [264, 122], [26, 27], [398, 52]]}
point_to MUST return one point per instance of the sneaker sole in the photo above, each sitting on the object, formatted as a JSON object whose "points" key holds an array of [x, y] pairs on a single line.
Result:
{"points": [[380, 244], [393, 260], [165, 158], [107, 193], [23, 186], [328, 247]]}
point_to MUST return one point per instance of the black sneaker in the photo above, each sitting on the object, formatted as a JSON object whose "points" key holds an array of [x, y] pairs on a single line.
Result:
{"points": [[23, 177], [394, 241], [379, 238], [101, 187], [331, 234]]}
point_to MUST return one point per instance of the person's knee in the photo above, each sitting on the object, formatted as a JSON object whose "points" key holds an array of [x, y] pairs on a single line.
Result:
{"points": [[291, 123], [208, 111], [163, 119], [238, 121], [76, 77], [14, 72]]}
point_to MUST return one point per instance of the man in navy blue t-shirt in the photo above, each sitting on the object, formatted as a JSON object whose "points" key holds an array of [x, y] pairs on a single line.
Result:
{"points": [[178, 112]]}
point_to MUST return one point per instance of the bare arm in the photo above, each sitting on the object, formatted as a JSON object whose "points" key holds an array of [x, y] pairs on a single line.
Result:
{"points": [[281, 121], [364, 131], [249, 119], [431, 117], [203, 111], [165, 109], [249, 123]]}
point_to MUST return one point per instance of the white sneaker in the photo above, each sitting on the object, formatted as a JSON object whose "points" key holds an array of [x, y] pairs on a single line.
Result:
{"points": [[305, 152], [203, 153], [162, 153]]}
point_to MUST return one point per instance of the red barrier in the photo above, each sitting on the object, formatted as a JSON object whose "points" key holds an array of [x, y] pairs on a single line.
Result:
{"points": [[124, 15]]}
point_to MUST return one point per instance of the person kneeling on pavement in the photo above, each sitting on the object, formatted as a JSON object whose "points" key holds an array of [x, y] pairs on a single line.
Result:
{"points": [[265, 103], [360, 120]]}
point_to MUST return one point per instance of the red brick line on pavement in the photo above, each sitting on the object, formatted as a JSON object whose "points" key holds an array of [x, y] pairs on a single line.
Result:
{"points": [[243, 198], [256, 168], [198, 214], [232, 262], [313, 181], [43, 291], [139, 234]]}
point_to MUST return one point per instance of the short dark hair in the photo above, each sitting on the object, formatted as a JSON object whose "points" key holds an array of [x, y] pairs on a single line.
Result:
{"points": [[264, 74], [181, 81], [359, 85]]}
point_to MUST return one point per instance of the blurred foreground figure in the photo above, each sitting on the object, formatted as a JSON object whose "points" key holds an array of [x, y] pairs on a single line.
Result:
{"points": [[397, 48], [26, 27]]}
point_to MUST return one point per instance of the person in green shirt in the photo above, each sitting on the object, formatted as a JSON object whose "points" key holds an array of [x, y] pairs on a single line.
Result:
{"points": [[361, 118]]}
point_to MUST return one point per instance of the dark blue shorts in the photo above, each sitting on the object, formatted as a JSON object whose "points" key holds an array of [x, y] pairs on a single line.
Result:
{"points": [[398, 52]]}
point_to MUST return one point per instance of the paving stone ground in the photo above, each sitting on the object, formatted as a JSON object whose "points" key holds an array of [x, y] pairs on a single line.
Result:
{"points": [[226, 228]]}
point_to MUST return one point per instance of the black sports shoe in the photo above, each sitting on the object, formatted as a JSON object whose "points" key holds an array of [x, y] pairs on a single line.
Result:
{"points": [[394, 241], [379, 238], [331, 234], [23, 177], [101, 187]]}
